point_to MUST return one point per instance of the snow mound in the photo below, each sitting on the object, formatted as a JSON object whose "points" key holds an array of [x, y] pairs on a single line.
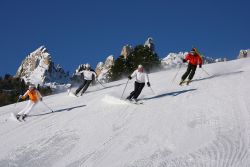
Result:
{"points": [[113, 100]]}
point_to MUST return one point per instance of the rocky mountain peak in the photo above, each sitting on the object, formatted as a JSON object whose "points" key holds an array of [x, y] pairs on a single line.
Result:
{"points": [[38, 68], [126, 50], [244, 54]]}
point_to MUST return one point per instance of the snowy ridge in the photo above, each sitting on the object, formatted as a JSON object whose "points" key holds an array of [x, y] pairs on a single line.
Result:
{"points": [[173, 60], [203, 124]]}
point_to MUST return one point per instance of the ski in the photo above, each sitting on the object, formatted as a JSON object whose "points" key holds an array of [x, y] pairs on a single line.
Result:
{"points": [[24, 117], [138, 102], [71, 94], [187, 82], [16, 117]]}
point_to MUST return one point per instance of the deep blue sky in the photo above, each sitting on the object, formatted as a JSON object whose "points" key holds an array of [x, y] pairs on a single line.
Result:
{"points": [[81, 31]]}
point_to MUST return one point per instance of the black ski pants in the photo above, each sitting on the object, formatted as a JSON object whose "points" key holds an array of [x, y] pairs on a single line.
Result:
{"points": [[84, 86], [137, 90], [190, 72]]}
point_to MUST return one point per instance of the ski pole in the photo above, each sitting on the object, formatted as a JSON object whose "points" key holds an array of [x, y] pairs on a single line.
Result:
{"points": [[176, 74], [152, 90], [205, 71], [100, 83], [17, 101], [47, 106], [124, 88]]}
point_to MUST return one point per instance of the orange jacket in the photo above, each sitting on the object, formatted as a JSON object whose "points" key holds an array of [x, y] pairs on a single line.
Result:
{"points": [[34, 95]]}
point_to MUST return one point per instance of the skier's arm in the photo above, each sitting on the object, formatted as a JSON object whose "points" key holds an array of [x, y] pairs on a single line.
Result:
{"points": [[200, 62], [94, 73], [147, 80], [186, 58], [25, 95], [39, 95], [133, 74]]}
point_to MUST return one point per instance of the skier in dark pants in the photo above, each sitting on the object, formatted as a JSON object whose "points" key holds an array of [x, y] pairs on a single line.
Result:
{"points": [[141, 78], [193, 59], [89, 76]]}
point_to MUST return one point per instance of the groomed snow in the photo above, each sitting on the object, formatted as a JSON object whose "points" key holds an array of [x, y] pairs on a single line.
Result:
{"points": [[204, 124]]}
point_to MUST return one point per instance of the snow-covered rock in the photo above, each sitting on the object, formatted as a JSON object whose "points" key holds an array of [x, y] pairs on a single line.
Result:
{"points": [[103, 69], [126, 50], [173, 60], [244, 54], [150, 44], [38, 68]]}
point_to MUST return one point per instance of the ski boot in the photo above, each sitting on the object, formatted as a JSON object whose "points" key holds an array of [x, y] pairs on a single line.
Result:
{"points": [[135, 100], [18, 116], [129, 98], [24, 116], [182, 81], [188, 81]]}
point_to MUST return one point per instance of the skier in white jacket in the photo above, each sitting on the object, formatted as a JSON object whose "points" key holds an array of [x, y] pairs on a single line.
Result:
{"points": [[140, 79], [89, 76]]}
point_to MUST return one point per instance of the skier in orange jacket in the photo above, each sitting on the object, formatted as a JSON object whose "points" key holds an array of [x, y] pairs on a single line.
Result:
{"points": [[34, 97]]}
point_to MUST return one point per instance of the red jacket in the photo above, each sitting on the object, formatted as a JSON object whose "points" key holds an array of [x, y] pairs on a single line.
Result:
{"points": [[193, 59]]}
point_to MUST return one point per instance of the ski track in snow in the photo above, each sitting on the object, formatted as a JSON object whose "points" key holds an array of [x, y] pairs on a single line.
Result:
{"points": [[167, 131]]}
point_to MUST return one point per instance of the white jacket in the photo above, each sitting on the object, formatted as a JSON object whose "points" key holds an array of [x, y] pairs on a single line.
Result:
{"points": [[140, 77], [88, 74]]}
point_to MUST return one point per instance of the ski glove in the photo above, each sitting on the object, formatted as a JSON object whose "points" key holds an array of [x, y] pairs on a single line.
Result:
{"points": [[20, 97], [148, 84], [129, 77], [200, 66], [184, 60]]}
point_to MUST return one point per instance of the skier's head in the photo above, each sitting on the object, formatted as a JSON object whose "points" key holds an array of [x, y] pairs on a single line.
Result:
{"points": [[193, 51], [32, 87], [87, 66], [140, 68]]}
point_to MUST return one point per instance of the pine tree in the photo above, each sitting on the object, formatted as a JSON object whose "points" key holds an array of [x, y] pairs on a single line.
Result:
{"points": [[144, 56], [140, 55], [119, 68]]}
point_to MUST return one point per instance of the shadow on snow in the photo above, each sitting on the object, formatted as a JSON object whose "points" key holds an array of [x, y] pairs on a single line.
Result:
{"points": [[106, 87], [60, 110], [176, 93], [218, 75]]}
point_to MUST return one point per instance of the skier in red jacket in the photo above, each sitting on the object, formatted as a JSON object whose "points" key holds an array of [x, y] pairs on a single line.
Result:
{"points": [[193, 59]]}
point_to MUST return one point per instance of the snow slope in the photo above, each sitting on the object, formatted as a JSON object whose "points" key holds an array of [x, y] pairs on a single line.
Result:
{"points": [[204, 124]]}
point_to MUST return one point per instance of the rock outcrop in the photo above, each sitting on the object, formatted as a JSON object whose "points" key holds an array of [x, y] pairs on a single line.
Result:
{"points": [[38, 68]]}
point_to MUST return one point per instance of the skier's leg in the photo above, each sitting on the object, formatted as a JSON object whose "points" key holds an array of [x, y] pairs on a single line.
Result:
{"points": [[184, 76], [131, 95], [32, 105], [25, 109], [28, 108], [87, 83], [80, 87], [138, 92], [136, 84], [193, 69]]}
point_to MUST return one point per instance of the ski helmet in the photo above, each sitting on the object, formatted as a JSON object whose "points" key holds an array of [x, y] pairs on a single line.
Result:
{"points": [[87, 66], [32, 86], [140, 66]]}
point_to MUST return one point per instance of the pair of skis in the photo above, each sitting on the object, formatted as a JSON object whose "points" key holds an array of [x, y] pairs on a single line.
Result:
{"points": [[19, 118], [135, 102]]}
